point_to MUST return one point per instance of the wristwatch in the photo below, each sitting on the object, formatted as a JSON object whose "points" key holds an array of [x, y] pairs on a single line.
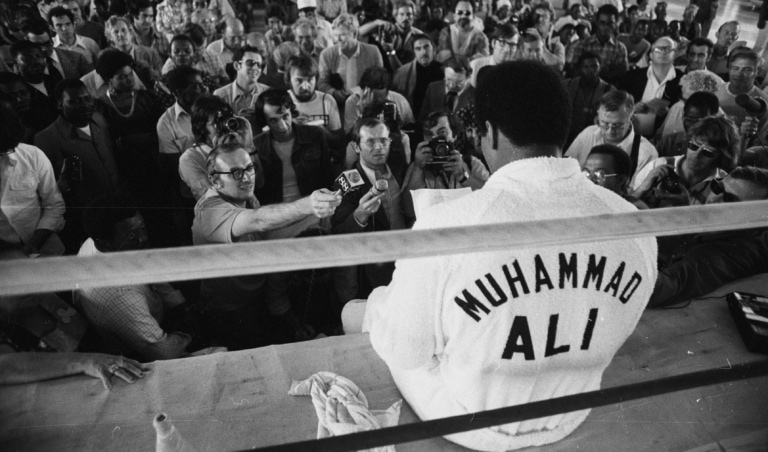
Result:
{"points": [[464, 177]]}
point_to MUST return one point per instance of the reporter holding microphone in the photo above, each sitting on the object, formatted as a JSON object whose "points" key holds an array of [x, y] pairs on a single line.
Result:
{"points": [[371, 202]]}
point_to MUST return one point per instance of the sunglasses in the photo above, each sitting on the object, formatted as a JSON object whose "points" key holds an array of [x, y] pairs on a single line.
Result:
{"points": [[701, 149]]}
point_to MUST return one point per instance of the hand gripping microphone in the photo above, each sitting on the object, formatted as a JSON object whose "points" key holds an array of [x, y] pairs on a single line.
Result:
{"points": [[379, 187]]}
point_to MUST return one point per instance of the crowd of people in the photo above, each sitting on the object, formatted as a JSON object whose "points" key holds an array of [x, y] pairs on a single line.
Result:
{"points": [[127, 124]]}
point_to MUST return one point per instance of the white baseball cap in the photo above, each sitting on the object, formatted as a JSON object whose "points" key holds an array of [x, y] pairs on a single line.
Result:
{"points": [[301, 4]]}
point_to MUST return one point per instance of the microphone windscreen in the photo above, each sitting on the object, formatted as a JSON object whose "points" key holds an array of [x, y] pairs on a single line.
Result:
{"points": [[753, 106], [381, 185]]}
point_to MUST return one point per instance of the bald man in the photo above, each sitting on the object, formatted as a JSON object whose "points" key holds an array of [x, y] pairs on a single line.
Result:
{"points": [[234, 38], [658, 86]]}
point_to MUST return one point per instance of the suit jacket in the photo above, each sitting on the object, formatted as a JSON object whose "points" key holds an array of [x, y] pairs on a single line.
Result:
{"points": [[72, 63], [434, 100], [42, 109], [359, 281], [404, 82], [99, 171], [635, 80]]}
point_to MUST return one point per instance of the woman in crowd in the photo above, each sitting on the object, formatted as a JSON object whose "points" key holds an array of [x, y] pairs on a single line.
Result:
{"points": [[689, 27], [713, 150], [132, 116], [120, 35], [213, 123]]}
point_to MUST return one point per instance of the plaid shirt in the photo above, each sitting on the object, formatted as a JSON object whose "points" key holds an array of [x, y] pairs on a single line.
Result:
{"points": [[613, 54], [205, 62], [134, 314]]}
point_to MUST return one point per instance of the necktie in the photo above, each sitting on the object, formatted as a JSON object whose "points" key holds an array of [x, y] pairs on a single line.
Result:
{"points": [[450, 100]]}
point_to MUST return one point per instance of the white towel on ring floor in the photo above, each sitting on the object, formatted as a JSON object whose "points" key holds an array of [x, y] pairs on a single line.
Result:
{"points": [[342, 408]]}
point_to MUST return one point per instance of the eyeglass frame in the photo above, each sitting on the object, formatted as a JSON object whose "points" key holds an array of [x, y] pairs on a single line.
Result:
{"points": [[597, 176], [612, 125], [241, 171]]}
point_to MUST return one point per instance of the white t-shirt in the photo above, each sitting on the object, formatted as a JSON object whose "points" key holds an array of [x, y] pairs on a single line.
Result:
{"points": [[322, 110]]}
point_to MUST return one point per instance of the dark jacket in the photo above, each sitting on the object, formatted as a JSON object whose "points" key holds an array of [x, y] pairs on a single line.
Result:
{"points": [[434, 100], [99, 171], [356, 282], [311, 161], [343, 221], [704, 262], [73, 64], [635, 80]]}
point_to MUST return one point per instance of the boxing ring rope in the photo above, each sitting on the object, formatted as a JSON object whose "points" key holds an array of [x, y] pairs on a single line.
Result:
{"points": [[440, 427], [178, 264], [212, 261]]}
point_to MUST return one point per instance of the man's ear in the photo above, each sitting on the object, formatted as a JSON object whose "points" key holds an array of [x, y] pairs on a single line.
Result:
{"points": [[623, 182], [493, 134], [356, 147]]}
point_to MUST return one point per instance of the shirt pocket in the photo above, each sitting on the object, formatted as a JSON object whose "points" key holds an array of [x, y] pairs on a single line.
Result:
{"points": [[24, 189]]}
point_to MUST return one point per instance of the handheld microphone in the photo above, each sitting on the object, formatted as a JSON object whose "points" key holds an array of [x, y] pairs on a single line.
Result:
{"points": [[348, 181], [379, 187], [754, 106]]}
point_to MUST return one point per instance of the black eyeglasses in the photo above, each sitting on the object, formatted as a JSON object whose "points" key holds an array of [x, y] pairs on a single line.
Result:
{"points": [[700, 148], [463, 13], [238, 173]]}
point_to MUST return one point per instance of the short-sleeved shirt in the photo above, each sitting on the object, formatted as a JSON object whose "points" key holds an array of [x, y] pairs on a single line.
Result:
{"points": [[613, 54], [322, 110], [214, 218]]}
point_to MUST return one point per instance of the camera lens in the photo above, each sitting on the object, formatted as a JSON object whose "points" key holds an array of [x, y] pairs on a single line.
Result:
{"points": [[442, 149], [232, 124]]}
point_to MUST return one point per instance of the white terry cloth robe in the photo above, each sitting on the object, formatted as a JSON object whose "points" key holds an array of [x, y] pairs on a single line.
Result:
{"points": [[480, 331]]}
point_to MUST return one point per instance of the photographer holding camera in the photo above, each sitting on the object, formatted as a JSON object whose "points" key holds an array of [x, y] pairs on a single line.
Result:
{"points": [[713, 150], [439, 161], [213, 123]]}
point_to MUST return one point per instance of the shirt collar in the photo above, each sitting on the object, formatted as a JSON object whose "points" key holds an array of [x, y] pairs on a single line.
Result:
{"points": [[78, 42], [178, 110], [545, 170], [671, 74], [356, 54], [11, 159]]}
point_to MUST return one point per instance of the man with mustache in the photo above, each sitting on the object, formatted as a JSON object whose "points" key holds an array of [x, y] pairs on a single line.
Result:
{"points": [[412, 79], [29, 62], [314, 107], [79, 146], [242, 93], [462, 38]]}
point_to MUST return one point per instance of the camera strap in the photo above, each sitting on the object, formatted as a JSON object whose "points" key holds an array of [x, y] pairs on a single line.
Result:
{"points": [[634, 154]]}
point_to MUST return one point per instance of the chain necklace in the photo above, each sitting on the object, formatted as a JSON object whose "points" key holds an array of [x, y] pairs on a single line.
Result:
{"points": [[133, 104]]}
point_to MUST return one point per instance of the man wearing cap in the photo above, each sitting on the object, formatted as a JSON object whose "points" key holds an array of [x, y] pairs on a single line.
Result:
{"points": [[462, 38], [324, 30]]}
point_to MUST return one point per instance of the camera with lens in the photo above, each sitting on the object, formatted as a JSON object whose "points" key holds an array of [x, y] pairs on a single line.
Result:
{"points": [[226, 122], [389, 112], [441, 153], [671, 184]]}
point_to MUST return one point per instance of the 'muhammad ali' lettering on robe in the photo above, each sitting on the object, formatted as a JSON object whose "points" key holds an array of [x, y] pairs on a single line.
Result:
{"points": [[496, 289]]}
